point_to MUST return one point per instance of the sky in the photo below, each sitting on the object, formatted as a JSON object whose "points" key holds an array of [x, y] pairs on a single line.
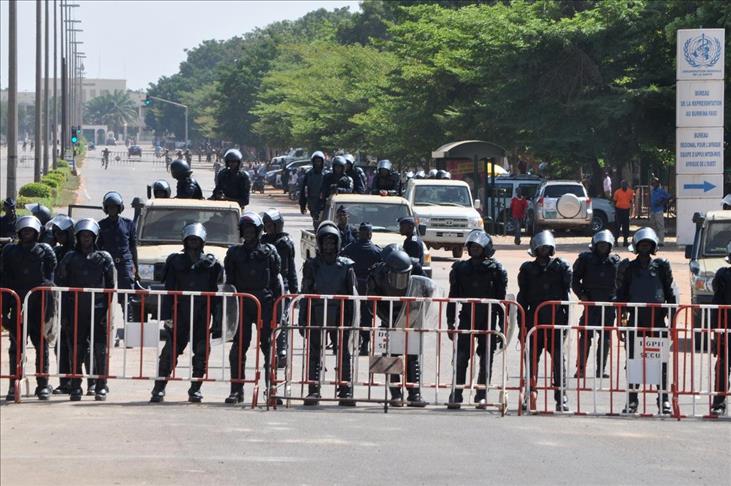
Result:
{"points": [[142, 40]]}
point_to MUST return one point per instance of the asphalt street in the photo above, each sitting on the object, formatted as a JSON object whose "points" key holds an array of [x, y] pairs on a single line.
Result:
{"points": [[128, 441]]}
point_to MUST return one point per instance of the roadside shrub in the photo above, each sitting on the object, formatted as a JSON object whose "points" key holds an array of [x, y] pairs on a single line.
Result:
{"points": [[35, 189]]}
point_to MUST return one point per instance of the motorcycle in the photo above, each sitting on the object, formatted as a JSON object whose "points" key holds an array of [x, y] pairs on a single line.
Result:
{"points": [[258, 185]]}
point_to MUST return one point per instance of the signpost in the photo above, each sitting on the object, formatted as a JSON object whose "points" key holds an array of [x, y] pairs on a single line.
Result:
{"points": [[699, 122]]}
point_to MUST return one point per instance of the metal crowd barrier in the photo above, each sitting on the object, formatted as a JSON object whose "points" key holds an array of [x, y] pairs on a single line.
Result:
{"points": [[425, 338], [8, 298], [142, 315]]}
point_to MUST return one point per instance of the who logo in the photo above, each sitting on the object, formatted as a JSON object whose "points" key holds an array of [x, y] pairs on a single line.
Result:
{"points": [[702, 51]]}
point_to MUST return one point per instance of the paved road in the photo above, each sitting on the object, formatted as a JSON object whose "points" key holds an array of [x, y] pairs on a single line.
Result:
{"points": [[127, 441]]}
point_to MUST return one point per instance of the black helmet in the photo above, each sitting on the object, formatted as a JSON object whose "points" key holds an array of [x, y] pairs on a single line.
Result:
{"points": [[9, 203], [180, 169], [112, 198], [339, 161], [250, 217], [480, 237], [385, 164], [399, 267], [432, 174], [87, 224], [161, 189], [388, 249], [409, 174], [544, 238], [62, 222], [644, 234], [28, 222], [196, 230], [603, 236], [443, 174], [317, 154], [233, 155], [275, 217], [327, 228], [420, 174], [349, 159], [39, 211]]}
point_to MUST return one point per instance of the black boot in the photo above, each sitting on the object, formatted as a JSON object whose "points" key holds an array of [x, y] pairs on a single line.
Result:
{"points": [[632, 404], [562, 401], [719, 405], [236, 395], [101, 390], [10, 397], [455, 400], [90, 387], [158, 392], [413, 374], [43, 391], [313, 396], [194, 392], [346, 397]]}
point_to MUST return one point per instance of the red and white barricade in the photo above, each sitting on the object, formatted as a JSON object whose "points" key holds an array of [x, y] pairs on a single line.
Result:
{"points": [[11, 324]]}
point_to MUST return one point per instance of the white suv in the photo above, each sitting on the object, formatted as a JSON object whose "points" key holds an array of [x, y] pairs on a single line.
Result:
{"points": [[445, 207], [559, 204]]}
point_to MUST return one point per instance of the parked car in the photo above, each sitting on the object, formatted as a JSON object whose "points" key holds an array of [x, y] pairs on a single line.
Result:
{"points": [[134, 150], [292, 155], [560, 204], [502, 192]]}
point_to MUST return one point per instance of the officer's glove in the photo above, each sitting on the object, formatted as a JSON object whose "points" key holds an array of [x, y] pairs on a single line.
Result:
{"points": [[451, 331]]}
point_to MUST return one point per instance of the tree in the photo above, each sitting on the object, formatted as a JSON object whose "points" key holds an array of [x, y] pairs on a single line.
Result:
{"points": [[111, 109]]}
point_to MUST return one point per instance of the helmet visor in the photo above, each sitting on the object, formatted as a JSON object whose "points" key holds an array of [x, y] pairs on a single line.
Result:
{"points": [[398, 280]]}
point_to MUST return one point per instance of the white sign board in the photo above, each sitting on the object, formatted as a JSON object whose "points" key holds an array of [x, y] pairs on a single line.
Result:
{"points": [[694, 186], [685, 210], [650, 354], [699, 150], [700, 54], [389, 341], [699, 104]]}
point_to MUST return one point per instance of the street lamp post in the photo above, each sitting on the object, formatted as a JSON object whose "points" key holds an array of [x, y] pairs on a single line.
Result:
{"points": [[185, 107]]}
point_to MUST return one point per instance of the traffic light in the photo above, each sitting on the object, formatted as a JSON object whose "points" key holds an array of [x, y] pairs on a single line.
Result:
{"points": [[74, 135], [148, 100]]}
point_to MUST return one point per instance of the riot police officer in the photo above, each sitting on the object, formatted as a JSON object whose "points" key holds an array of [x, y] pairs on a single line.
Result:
{"points": [[594, 278], [232, 183], [62, 230], [191, 270], [312, 186], [86, 267], [480, 277], [542, 279], [25, 265], [187, 187], [348, 233], [648, 280], [386, 182], [413, 245], [7, 221], [161, 189], [329, 274], [356, 174], [117, 236], [252, 267], [722, 322], [391, 278], [364, 254], [336, 181], [44, 216], [275, 235]]}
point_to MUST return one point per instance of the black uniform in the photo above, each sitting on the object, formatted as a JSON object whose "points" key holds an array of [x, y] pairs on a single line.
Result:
{"points": [[254, 271], [285, 248], [118, 237], [364, 254], [22, 269], [200, 274], [594, 279], [336, 278], [359, 179], [485, 279], [537, 284], [335, 184], [233, 185], [64, 362], [188, 188], [310, 192], [7, 225], [650, 284], [722, 320], [415, 249], [348, 234], [95, 270], [390, 183]]}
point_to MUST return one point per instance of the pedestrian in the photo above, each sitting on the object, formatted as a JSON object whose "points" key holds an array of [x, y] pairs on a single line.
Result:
{"points": [[543, 279], [623, 199], [196, 271], [722, 323], [328, 274], [253, 268], [274, 235], [386, 182], [25, 265], [7, 221], [594, 277], [607, 185], [232, 183], [348, 233], [412, 245], [659, 199], [646, 280], [518, 208], [479, 277], [365, 254], [187, 187], [87, 267], [311, 187], [393, 277]]}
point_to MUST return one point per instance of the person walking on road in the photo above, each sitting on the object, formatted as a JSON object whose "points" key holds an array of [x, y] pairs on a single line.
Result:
{"points": [[659, 199], [518, 208], [623, 198], [479, 277]]}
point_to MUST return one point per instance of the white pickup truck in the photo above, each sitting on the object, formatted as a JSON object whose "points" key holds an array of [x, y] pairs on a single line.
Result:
{"points": [[382, 212], [445, 207]]}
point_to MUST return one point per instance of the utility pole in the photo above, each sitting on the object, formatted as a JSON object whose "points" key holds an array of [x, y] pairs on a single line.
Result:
{"points": [[55, 90], [46, 101], [64, 100], [12, 190], [38, 98]]}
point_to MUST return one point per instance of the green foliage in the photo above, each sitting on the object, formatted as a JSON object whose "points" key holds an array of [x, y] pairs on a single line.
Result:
{"points": [[35, 189], [112, 109], [62, 164]]}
